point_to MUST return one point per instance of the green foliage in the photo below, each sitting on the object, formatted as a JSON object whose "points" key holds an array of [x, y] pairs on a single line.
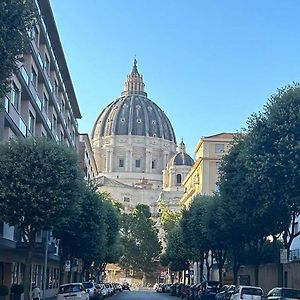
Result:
{"points": [[3, 290], [16, 18], [177, 255], [17, 289], [92, 233], [140, 241], [168, 217], [38, 183]]}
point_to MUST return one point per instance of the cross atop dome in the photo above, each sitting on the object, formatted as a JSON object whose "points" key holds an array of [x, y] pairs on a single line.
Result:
{"points": [[134, 84]]}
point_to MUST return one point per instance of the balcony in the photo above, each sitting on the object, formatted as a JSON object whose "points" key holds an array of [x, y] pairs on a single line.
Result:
{"points": [[6, 104], [22, 126], [25, 75]]}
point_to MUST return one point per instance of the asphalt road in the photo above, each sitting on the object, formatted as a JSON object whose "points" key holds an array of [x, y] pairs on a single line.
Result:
{"points": [[141, 295]]}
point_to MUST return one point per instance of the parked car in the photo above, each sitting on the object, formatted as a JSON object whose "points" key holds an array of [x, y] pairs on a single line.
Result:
{"points": [[76, 291], [194, 291], [279, 293], [246, 292], [167, 288], [173, 289], [103, 289], [90, 287], [225, 292], [209, 289], [179, 289], [186, 291], [125, 286]]}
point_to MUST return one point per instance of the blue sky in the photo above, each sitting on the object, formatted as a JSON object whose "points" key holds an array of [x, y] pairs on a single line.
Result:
{"points": [[208, 64]]}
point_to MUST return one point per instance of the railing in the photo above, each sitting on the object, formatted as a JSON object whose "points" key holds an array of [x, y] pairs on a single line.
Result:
{"points": [[22, 127], [38, 101], [25, 75], [6, 104]]}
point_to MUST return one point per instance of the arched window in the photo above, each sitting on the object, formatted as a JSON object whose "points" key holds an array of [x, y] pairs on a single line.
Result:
{"points": [[178, 177]]}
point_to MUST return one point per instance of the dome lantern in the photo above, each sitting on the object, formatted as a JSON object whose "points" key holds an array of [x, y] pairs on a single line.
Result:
{"points": [[134, 84]]}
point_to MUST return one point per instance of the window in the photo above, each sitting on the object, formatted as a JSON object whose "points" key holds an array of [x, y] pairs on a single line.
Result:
{"points": [[62, 107], [33, 78], [54, 122], [15, 96], [178, 179], [126, 199], [153, 164], [219, 148], [121, 163], [31, 123], [137, 163], [55, 87], [47, 64], [35, 34], [45, 102]]}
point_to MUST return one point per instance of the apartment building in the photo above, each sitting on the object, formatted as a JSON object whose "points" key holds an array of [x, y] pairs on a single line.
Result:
{"points": [[203, 175], [41, 103], [86, 157]]}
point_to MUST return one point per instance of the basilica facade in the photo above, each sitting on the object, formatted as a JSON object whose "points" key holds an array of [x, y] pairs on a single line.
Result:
{"points": [[135, 150]]}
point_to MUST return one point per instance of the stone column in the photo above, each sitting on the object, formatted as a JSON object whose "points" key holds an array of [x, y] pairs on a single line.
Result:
{"points": [[148, 161], [111, 160], [107, 163]]}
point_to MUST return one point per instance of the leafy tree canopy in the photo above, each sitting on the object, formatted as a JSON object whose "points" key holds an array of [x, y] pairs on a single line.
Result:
{"points": [[39, 182], [16, 18]]}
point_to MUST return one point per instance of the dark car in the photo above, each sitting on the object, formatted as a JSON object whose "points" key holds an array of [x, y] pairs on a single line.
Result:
{"points": [[186, 292], [279, 293], [173, 289], [225, 292], [125, 286], [209, 289], [194, 291], [179, 289]]}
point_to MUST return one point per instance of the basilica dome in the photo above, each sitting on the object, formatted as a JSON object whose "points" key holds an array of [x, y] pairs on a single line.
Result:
{"points": [[181, 158], [133, 114]]}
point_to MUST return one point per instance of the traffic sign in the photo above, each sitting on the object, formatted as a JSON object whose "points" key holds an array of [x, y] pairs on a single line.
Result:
{"points": [[283, 256]]}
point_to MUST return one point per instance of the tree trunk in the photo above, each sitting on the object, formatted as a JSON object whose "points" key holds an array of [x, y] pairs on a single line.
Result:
{"points": [[27, 274]]}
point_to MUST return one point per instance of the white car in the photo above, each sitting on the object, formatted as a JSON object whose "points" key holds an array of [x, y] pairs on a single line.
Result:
{"points": [[90, 287], [103, 290], [245, 292], [76, 291]]}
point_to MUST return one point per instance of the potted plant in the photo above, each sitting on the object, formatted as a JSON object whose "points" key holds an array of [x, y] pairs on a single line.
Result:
{"points": [[16, 291], [3, 291]]}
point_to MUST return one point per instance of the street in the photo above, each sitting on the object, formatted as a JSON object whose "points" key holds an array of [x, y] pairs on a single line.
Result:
{"points": [[142, 295]]}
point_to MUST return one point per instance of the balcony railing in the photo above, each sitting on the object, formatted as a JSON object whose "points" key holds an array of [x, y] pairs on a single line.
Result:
{"points": [[6, 104], [22, 127], [25, 75]]}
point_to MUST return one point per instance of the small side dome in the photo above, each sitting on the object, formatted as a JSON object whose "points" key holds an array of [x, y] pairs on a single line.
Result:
{"points": [[181, 158]]}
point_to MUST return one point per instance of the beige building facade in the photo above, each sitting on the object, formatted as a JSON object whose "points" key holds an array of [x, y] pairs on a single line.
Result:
{"points": [[203, 175]]}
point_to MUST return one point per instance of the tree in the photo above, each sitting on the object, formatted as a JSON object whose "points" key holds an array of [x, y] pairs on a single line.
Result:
{"points": [[85, 227], [274, 137], [177, 255], [16, 19], [194, 235], [140, 241], [38, 185], [112, 250], [169, 218]]}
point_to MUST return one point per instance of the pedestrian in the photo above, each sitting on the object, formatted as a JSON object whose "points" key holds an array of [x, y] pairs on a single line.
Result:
{"points": [[36, 293]]}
